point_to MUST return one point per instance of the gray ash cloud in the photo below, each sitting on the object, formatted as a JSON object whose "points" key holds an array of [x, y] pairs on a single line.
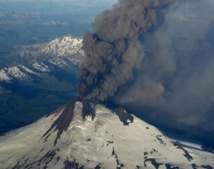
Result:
{"points": [[174, 87], [115, 50], [166, 53]]}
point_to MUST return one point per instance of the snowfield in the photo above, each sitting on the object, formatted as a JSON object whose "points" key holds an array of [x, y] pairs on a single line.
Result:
{"points": [[114, 139]]}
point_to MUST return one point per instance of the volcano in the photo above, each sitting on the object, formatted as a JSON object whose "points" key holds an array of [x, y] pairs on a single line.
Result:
{"points": [[111, 139]]}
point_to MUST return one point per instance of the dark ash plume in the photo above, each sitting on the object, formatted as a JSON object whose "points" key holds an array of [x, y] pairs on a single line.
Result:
{"points": [[174, 87], [114, 50]]}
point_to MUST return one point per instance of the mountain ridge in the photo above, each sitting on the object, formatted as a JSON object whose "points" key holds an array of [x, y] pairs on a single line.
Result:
{"points": [[102, 142], [60, 52], [36, 79]]}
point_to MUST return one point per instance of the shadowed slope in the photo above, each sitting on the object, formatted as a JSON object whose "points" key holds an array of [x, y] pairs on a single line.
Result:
{"points": [[63, 121]]}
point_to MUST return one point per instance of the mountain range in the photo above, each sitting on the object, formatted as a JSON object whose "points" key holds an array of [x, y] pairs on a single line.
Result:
{"points": [[36, 79]]}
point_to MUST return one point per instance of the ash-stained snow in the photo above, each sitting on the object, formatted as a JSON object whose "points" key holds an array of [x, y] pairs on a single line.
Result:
{"points": [[104, 142]]}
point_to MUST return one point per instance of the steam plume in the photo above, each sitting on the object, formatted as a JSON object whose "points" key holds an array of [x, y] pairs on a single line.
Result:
{"points": [[114, 51]]}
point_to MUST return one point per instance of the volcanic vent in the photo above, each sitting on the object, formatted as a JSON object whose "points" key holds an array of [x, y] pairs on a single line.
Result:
{"points": [[113, 52]]}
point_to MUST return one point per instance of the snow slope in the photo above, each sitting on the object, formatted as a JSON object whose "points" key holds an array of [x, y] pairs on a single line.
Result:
{"points": [[114, 139], [7, 74]]}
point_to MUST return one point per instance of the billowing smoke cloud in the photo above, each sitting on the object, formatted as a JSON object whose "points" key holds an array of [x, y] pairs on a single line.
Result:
{"points": [[167, 53], [175, 84], [114, 51]]}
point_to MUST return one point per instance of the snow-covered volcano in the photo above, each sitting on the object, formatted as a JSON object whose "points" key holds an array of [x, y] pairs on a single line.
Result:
{"points": [[113, 139]]}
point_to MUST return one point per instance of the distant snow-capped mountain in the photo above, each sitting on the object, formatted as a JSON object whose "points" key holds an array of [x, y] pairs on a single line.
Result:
{"points": [[33, 74], [63, 53], [67, 46], [113, 139]]}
